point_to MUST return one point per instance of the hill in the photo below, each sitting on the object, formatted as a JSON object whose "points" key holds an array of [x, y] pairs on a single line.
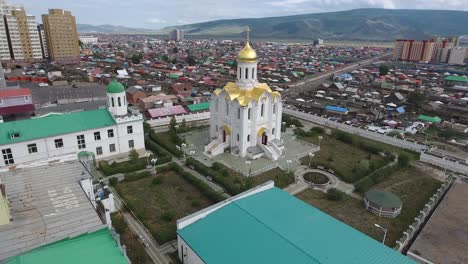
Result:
{"points": [[86, 28], [357, 24]]}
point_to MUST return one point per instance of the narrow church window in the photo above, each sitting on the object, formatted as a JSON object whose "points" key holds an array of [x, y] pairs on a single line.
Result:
{"points": [[237, 137], [248, 114], [248, 138], [261, 110], [227, 108], [120, 102], [274, 108], [253, 73], [273, 131], [246, 73], [238, 113], [113, 102]]}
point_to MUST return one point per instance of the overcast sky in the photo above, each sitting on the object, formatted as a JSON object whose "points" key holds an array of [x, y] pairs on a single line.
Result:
{"points": [[161, 13]]}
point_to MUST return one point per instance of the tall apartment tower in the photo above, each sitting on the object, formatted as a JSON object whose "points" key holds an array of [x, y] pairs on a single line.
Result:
{"points": [[23, 38], [43, 38], [61, 36], [177, 35], [4, 47]]}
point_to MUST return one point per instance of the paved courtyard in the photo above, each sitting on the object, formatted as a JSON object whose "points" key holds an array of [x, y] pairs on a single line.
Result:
{"points": [[294, 149]]}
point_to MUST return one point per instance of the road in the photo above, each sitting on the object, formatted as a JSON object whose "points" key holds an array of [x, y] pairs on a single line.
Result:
{"points": [[307, 82]]}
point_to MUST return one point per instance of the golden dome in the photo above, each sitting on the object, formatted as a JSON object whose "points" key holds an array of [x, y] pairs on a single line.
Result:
{"points": [[247, 54]]}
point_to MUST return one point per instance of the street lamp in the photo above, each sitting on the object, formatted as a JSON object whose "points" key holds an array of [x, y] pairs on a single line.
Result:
{"points": [[320, 140], [154, 160], [181, 148], [248, 162], [385, 232], [288, 162], [311, 155]]}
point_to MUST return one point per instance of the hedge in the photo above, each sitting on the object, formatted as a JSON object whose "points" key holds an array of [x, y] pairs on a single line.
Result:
{"points": [[375, 177], [166, 144], [122, 167], [163, 155], [199, 184], [135, 176], [218, 173]]}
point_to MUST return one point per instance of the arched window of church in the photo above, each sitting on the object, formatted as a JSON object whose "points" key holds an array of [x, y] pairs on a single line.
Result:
{"points": [[248, 114], [240, 73], [273, 131], [261, 110], [246, 73], [238, 113], [248, 138], [253, 73], [274, 108], [120, 102], [227, 108], [237, 137], [216, 128], [113, 102]]}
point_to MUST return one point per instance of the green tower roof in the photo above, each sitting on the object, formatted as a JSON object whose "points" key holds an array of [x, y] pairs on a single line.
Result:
{"points": [[115, 87]]}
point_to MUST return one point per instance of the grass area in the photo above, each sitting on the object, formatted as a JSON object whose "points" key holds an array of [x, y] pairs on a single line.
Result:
{"points": [[159, 203], [346, 160], [352, 212], [235, 183], [135, 250], [166, 140], [316, 178]]}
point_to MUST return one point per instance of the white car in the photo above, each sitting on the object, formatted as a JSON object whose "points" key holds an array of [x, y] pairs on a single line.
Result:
{"points": [[43, 84]]}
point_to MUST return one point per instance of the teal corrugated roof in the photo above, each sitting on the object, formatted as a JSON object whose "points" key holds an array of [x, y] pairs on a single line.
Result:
{"points": [[98, 247], [54, 125], [199, 107], [456, 78], [431, 119], [274, 227]]}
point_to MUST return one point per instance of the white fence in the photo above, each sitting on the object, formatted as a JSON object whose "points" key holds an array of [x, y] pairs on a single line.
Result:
{"points": [[446, 162], [191, 117], [424, 214]]}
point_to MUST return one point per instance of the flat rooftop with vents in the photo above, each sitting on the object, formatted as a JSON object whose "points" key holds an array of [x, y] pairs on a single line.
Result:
{"points": [[46, 204]]}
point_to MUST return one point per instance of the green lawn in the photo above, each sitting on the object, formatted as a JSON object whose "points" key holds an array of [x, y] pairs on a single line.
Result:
{"points": [[351, 211], [344, 159], [159, 205], [135, 250]]}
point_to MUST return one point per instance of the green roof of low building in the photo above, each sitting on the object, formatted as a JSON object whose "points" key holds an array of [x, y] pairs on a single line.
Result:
{"points": [[97, 247], [54, 125], [115, 87], [383, 199], [456, 79], [273, 226], [199, 107], [431, 119]]}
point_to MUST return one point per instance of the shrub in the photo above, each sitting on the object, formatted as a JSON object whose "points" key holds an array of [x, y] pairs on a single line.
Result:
{"points": [[344, 137], [157, 181], [404, 160], [135, 176], [121, 167], [291, 121], [166, 144], [113, 181], [195, 203], [163, 155], [318, 130], [334, 194], [167, 216], [133, 155]]}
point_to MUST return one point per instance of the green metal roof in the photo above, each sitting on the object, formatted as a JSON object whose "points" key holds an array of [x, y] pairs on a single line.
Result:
{"points": [[431, 119], [98, 247], [115, 87], [383, 198], [54, 125], [456, 78], [199, 107], [274, 227]]}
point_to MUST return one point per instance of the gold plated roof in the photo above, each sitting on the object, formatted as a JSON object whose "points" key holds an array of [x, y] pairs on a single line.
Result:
{"points": [[245, 96], [247, 54]]}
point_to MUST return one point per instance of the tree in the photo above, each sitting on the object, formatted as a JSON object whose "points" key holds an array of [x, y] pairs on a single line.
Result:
{"points": [[172, 123], [133, 155], [363, 167], [190, 60], [136, 59], [175, 50], [80, 43], [416, 98], [165, 58], [334, 194], [383, 70], [404, 160]]}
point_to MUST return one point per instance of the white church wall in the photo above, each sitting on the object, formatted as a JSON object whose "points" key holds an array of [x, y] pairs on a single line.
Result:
{"points": [[186, 254]]}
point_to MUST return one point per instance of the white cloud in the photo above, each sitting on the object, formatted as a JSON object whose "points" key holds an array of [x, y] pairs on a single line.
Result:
{"points": [[156, 21]]}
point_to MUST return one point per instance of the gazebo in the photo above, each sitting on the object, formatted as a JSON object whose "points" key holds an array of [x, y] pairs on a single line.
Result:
{"points": [[382, 203]]}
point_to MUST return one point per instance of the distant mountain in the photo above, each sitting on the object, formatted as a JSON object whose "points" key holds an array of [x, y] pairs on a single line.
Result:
{"points": [[357, 24], [85, 28]]}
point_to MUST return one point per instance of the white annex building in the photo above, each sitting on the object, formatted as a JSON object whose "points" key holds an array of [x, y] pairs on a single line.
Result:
{"points": [[246, 115], [101, 133]]}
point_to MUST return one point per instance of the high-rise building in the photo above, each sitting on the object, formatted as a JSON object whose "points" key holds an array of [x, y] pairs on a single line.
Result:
{"points": [[23, 38], [43, 38], [5, 8], [62, 36], [177, 35], [457, 56], [413, 50]]}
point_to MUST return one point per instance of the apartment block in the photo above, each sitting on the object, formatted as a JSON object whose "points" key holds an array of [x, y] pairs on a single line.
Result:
{"points": [[43, 39], [457, 56], [23, 37], [435, 50], [61, 36], [4, 47]]}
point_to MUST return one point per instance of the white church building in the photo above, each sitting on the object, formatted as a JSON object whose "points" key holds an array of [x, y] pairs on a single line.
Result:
{"points": [[246, 115], [102, 133]]}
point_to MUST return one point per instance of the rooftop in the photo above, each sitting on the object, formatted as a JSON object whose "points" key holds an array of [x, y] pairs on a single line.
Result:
{"points": [[274, 227], [383, 198], [199, 107], [47, 205], [99, 247], [15, 92], [54, 125], [456, 79]]}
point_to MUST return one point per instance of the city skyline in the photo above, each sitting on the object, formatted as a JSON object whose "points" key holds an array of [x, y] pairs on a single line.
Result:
{"points": [[160, 14]]}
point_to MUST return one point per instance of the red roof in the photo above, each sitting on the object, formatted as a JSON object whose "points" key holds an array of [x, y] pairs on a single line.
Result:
{"points": [[17, 109], [15, 92]]}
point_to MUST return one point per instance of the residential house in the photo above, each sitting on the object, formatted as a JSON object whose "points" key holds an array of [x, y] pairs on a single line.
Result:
{"points": [[16, 101], [134, 94]]}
